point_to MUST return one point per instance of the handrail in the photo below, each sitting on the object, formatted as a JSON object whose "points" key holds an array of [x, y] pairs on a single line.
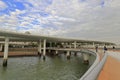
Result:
{"points": [[95, 69], [92, 67]]}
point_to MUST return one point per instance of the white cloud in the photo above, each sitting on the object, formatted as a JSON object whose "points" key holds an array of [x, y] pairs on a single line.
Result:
{"points": [[114, 3], [94, 22], [86, 20], [17, 12], [2, 5], [66, 8], [10, 22]]}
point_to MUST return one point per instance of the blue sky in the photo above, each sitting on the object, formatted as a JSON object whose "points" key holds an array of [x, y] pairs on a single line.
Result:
{"points": [[83, 19]]}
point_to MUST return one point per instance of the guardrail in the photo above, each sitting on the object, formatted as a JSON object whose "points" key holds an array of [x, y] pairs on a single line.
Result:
{"points": [[93, 72]]}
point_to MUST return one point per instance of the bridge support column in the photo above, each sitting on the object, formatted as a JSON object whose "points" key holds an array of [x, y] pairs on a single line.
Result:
{"points": [[86, 58], [39, 48], [68, 54], [44, 49], [23, 46], [49, 51], [75, 53], [75, 46], [70, 45], [93, 45], [56, 52], [1, 47], [50, 44], [5, 56], [86, 45]]}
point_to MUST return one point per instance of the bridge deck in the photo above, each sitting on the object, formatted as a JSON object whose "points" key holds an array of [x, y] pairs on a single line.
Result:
{"points": [[111, 69]]}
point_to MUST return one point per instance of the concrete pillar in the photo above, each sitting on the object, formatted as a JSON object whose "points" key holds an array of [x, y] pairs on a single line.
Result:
{"points": [[1, 47], [5, 56], [68, 54], [23, 46], [39, 48], [44, 49], [56, 52], [93, 45], [86, 58], [86, 45], [55, 44], [75, 53], [49, 51], [70, 45], [50, 44], [96, 48], [75, 46], [64, 45]]}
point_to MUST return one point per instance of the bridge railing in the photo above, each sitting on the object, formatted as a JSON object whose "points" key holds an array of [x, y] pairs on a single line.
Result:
{"points": [[95, 69]]}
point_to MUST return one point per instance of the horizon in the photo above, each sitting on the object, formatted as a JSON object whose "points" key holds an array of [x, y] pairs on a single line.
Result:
{"points": [[83, 19]]}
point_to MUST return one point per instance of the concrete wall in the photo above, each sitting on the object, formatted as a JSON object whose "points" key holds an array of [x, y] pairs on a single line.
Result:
{"points": [[95, 69]]}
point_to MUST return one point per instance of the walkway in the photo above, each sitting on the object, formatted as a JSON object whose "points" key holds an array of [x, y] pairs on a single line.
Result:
{"points": [[111, 69]]}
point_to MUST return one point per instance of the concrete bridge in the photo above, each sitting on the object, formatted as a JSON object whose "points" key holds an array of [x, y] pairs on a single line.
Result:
{"points": [[45, 42]]}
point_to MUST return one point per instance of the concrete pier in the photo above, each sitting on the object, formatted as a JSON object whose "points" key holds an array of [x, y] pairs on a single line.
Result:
{"points": [[68, 54], [75, 46], [93, 44], [44, 49], [49, 51], [75, 53], [70, 45], [39, 48], [1, 47], [5, 56], [86, 58], [56, 52], [50, 44]]}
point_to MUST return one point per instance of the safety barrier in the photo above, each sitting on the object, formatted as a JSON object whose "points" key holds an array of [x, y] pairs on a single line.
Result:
{"points": [[93, 72]]}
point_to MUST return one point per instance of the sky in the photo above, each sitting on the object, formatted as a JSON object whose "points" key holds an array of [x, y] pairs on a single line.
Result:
{"points": [[81, 19]]}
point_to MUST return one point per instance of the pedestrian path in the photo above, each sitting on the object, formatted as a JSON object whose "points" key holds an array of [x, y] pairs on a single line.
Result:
{"points": [[111, 69], [114, 54]]}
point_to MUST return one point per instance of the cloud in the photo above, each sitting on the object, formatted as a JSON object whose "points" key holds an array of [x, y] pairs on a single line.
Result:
{"points": [[114, 3], [66, 8], [2, 5], [95, 22], [84, 19], [10, 22]]}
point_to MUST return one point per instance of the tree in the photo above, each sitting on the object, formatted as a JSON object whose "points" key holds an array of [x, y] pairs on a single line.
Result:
{"points": [[27, 32]]}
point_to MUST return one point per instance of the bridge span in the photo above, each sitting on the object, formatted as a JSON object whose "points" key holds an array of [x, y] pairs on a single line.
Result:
{"points": [[57, 44], [43, 42]]}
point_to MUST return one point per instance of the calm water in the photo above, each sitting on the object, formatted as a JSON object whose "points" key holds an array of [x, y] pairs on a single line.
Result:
{"points": [[34, 68]]}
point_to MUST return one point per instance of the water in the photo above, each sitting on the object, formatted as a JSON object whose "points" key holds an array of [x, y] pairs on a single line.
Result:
{"points": [[53, 68]]}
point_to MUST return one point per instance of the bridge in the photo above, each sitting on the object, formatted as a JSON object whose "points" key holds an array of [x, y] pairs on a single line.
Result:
{"points": [[57, 44]]}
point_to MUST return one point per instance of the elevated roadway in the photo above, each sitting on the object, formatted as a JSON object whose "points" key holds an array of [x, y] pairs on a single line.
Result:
{"points": [[42, 41]]}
